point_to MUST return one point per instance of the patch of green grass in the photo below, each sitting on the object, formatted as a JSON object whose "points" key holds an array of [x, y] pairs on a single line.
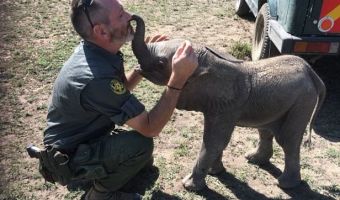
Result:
{"points": [[45, 186], [147, 93], [308, 178], [241, 50], [170, 172], [242, 175], [182, 150], [168, 130], [305, 163], [42, 107], [161, 162], [13, 194], [277, 151], [254, 141], [333, 153], [189, 132], [185, 133], [49, 61]]}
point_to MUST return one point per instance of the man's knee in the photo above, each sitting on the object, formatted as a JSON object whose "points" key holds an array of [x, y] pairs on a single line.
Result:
{"points": [[133, 143], [145, 144]]}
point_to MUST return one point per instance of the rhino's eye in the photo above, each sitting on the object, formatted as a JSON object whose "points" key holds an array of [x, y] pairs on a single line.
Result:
{"points": [[162, 62]]}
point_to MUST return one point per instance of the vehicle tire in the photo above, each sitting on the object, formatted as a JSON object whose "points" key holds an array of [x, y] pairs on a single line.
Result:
{"points": [[241, 8], [262, 46]]}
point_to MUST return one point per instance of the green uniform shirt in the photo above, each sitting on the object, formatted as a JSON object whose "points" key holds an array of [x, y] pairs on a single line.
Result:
{"points": [[88, 98]]}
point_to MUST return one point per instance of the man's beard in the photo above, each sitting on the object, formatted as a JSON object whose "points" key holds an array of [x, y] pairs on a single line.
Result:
{"points": [[124, 36]]}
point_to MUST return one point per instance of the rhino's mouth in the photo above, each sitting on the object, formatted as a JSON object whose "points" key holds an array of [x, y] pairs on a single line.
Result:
{"points": [[130, 33], [131, 25]]}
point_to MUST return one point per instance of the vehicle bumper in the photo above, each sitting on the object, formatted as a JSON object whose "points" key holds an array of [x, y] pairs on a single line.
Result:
{"points": [[285, 42]]}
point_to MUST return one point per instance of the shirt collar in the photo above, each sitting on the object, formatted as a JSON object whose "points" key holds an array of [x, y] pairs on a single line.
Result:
{"points": [[95, 48]]}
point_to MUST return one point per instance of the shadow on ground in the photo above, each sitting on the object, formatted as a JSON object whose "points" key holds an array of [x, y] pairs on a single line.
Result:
{"points": [[144, 181], [6, 46], [147, 178], [328, 121], [244, 192], [240, 189], [303, 191]]}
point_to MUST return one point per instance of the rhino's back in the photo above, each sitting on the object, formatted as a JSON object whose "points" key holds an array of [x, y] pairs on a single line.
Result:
{"points": [[277, 83]]}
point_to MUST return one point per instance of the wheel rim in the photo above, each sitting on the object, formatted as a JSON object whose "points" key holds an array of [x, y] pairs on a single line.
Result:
{"points": [[259, 38]]}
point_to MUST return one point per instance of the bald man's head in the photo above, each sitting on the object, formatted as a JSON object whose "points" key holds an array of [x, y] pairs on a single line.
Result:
{"points": [[97, 13]]}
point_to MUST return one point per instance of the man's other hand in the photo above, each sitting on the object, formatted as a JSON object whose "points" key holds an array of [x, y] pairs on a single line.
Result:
{"points": [[184, 63], [156, 38]]}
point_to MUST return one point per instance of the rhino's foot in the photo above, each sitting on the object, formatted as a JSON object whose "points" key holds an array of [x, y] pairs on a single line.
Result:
{"points": [[193, 184], [216, 169], [258, 158], [286, 181]]}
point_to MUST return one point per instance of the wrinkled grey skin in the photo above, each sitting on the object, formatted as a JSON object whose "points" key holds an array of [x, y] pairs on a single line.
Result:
{"points": [[276, 95]]}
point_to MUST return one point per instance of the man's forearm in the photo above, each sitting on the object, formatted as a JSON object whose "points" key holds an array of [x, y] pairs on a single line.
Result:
{"points": [[162, 111]]}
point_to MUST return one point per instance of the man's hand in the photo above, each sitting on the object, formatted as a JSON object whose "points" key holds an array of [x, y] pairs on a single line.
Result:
{"points": [[156, 38], [184, 63]]}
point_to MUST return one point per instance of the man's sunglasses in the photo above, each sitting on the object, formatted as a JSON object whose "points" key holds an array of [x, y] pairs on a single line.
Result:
{"points": [[85, 4]]}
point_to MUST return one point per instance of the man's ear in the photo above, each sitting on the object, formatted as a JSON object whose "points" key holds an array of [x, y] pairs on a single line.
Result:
{"points": [[101, 32]]}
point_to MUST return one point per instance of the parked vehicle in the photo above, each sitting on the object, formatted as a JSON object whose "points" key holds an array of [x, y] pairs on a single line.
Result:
{"points": [[301, 27]]}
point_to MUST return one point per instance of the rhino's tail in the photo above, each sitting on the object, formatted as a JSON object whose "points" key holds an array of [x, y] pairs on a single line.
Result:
{"points": [[321, 90]]}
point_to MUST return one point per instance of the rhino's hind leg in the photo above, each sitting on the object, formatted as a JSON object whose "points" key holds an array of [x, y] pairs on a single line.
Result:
{"points": [[217, 133], [290, 137], [264, 151]]}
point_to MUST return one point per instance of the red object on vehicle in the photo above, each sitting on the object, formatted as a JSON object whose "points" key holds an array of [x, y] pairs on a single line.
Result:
{"points": [[329, 21]]}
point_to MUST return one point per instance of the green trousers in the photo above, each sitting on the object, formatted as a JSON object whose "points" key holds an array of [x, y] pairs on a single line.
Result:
{"points": [[112, 160]]}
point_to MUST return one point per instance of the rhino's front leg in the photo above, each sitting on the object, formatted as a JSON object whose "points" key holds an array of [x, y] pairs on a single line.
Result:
{"points": [[217, 166], [217, 132]]}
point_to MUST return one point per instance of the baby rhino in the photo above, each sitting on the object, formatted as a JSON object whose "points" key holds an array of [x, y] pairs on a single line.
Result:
{"points": [[276, 95]]}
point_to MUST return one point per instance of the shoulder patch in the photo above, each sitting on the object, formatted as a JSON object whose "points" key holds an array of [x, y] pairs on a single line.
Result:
{"points": [[117, 87]]}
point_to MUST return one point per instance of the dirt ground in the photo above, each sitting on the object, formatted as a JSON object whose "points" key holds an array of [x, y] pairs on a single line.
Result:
{"points": [[36, 38]]}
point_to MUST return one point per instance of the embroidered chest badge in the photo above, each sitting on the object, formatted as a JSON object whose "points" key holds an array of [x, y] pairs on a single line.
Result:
{"points": [[117, 87]]}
